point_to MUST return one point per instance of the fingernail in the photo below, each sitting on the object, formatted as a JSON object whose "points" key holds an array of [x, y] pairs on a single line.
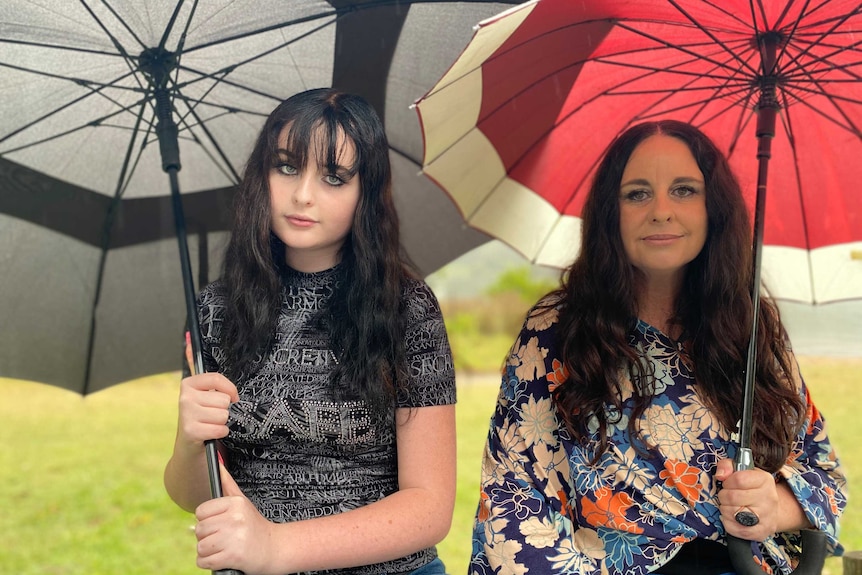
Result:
{"points": [[188, 338], [220, 458]]}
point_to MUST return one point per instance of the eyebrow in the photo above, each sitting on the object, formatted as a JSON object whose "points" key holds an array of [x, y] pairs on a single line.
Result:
{"points": [[680, 180]]}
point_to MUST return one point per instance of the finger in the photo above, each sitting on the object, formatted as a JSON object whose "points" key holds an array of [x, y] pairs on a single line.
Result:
{"points": [[723, 469], [748, 479], [211, 381], [229, 486], [189, 355]]}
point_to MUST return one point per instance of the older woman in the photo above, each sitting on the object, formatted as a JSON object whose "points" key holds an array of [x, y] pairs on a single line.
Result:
{"points": [[610, 450]]}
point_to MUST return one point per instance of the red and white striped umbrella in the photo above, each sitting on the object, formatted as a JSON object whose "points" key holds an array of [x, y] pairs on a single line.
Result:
{"points": [[514, 130]]}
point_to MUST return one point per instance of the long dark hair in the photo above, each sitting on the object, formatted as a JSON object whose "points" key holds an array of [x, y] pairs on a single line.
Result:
{"points": [[364, 316], [714, 309]]}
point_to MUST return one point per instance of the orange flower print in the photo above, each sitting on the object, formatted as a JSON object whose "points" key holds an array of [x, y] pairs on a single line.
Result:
{"points": [[830, 496], [558, 376], [684, 477], [813, 414], [564, 504], [484, 507], [609, 510]]}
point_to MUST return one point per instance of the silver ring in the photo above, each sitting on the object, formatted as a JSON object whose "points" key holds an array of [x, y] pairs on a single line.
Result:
{"points": [[746, 517]]}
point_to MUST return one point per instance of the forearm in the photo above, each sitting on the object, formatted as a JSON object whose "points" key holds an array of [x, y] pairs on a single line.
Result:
{"points": [[186, 477], [791, 516], [402, 523]]}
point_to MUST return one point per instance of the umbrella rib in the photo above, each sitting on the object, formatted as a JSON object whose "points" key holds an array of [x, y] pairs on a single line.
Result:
{"points": [[107, 229], [120, 49], [58, 135], [258, 31], [810, 44], [685, 49], [54, 47], [804, 70], [709, 34], [84, 84], [221, 79], [122, 23], [202, 125], [80, 81], [173, 20], [849, 126], [122, 182]]}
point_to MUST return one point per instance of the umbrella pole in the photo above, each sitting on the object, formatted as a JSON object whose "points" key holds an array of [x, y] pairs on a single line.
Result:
{"points": [[169, 147], [813, 541]]}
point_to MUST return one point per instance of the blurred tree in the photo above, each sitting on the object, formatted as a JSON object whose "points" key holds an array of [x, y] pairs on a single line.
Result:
{"points": [[523, 282]]}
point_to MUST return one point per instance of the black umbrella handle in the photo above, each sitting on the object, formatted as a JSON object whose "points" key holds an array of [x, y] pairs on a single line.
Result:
{"points": [[810, 562], [741, 555]]}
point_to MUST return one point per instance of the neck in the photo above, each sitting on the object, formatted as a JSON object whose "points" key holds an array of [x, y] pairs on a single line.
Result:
{"points": [[656, 304]]}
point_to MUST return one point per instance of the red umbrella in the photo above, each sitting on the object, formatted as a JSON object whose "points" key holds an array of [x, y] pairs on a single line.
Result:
{"points": [[515, 129]]}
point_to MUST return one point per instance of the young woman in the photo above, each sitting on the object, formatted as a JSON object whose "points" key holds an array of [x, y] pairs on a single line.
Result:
{"points": [[329, 381], [611, 447]]}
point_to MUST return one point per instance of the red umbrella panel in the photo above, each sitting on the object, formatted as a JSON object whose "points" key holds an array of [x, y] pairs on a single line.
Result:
{"points": [[514, 130]]}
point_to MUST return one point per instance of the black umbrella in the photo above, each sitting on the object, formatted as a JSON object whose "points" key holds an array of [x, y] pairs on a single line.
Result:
{"points": [[90, 90]]}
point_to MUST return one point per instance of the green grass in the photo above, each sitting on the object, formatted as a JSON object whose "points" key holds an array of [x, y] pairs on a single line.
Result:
{"points": [[81, 477]]}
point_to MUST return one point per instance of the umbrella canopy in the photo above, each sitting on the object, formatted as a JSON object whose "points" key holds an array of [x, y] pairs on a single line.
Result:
{"points": [[515, 129], [91, 291]]}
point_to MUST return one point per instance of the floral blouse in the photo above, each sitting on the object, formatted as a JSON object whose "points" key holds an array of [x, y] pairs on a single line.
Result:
{"points": [[544, 508]]}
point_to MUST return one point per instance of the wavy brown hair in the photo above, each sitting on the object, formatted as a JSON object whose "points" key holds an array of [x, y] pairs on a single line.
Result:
{"points": [[597, 302], [364, 318]]}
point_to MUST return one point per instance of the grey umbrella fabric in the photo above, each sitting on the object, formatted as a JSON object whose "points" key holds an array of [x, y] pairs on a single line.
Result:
{"points": [[90, 283]]}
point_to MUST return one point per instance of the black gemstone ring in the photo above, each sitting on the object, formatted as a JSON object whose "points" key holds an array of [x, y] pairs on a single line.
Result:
{"points": [[746, 517]]}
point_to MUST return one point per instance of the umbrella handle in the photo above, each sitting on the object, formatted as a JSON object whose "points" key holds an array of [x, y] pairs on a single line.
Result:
{"points": [[810, 562]]}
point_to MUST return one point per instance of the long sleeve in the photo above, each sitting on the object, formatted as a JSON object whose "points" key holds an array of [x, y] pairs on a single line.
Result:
{"points": [[524, 521], [815, 476]]}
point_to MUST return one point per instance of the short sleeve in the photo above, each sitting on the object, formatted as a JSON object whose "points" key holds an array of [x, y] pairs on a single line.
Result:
{"points": [[431, 373]]}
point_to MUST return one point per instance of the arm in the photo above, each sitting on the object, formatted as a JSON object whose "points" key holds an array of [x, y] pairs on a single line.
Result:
{"points": [[809, 492], [814, 475], [524, 521], [203, 412], [232, 534]]}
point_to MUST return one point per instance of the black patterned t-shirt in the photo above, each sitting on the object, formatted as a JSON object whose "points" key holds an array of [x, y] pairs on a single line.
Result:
{"points": [[295, 450]]}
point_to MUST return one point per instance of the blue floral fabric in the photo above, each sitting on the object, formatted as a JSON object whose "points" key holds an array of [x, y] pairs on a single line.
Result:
{"points": [[544, 508]]}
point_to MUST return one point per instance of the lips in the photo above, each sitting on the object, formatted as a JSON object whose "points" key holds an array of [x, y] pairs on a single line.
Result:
{"points": [[661, 240], [661, 237], [300, 221]]}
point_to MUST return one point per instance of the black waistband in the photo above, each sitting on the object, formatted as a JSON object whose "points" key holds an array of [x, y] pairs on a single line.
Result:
{"points": [[700, 556]]}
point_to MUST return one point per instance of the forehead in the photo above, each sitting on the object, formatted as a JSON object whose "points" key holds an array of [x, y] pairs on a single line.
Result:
{"points": [[318, 145], [661, 155]]}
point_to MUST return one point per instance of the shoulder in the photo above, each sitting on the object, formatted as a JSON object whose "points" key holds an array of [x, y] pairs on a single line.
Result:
{"points": [[211, 303], [545, 314], [213, 291], [418, 298]]}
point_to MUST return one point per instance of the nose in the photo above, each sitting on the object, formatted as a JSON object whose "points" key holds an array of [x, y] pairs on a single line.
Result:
{"points": [[303, 192], [662, 208]]}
